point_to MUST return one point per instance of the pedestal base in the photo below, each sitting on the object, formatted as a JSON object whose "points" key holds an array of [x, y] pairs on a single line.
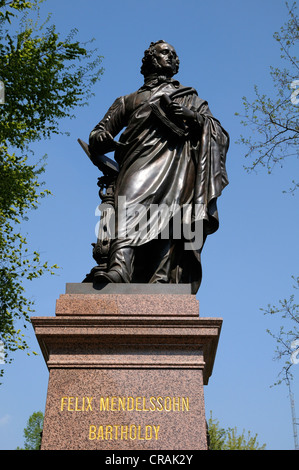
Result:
{"points": [[126, 371]]}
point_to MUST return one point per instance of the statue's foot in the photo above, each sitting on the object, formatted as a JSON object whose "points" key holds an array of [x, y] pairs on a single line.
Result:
{"points": [[101, 277]]}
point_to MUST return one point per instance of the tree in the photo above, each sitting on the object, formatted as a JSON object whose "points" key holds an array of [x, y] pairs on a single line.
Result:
{"points": [[287, 338], [273, 121], [275, 133], [229, 439], [45, 78], [33, 432], [287, 345]]}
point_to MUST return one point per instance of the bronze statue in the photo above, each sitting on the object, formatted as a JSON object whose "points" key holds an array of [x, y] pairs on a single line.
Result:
{"points": [[171, 159]]}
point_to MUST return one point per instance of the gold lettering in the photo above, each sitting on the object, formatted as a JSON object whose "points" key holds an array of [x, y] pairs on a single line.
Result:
{"points": [[113, 399], [92, 432], [176, 403], [76, 405], [159, 403], [185, 403], [116, 431], [130, 404], [167, 404], [148, 433], [143, 405], [104, 404], [133, 436], [122, 403], [156, 429], [62, 403], [138, 404], [115, 403], [124, 429], [89, 403], [109, 433], [70, 400], [100, 433], [153, 406], [139, 434]]}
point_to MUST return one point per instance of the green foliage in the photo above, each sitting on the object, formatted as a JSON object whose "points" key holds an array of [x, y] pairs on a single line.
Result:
{"points": [[8, 8], [229, 439], [288, 310], [275, 136], [32, 432], [19, 192], [45, 78], [273, 120]]}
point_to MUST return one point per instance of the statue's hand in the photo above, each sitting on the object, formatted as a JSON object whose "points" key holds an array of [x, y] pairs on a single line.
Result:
{"points": [[103, 142], [104, 136], [181, 111]]}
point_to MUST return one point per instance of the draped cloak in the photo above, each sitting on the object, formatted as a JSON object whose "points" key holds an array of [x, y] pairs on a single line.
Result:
{"points": [[165, 164]]}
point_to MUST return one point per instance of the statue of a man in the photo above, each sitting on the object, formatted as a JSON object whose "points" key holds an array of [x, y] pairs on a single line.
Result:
{"points": [[171, 165]]}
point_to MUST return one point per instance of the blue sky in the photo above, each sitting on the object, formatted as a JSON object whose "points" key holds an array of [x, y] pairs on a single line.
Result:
{"points": [[224, 48]]}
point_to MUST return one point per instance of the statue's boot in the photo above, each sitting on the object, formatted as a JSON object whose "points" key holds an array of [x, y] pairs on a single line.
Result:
{"points": [[101, 277]]}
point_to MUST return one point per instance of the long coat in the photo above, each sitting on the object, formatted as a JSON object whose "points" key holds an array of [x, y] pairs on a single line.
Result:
{"points": [[169, 171]]}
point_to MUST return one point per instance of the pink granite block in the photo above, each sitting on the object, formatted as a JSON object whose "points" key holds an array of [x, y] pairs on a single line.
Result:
{"points": [[120, 304], [126, 371], [96, 409]]}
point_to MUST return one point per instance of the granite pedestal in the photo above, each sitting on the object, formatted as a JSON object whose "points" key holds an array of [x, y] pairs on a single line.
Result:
{"points": [[127, 368]]}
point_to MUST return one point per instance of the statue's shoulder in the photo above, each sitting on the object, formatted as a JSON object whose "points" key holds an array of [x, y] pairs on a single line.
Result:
{"points": [[130, 98], [135, 99]]}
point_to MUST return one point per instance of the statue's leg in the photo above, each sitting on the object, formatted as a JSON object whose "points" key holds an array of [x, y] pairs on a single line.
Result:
{"points": [[122, 262], [162, 271]]}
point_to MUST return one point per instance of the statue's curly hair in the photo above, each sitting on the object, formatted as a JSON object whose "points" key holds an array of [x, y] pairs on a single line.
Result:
{"points": [[149, 62]]}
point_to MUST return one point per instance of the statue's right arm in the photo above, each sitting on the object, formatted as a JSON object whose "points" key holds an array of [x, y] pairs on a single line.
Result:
{"points": [[101, 137]]}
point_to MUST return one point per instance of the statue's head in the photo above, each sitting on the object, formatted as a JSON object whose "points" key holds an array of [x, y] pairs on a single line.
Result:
{"points": [[160, 58]]}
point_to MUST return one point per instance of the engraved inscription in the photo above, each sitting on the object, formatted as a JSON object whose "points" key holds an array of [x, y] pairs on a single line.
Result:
{"points": [[119, 404]]}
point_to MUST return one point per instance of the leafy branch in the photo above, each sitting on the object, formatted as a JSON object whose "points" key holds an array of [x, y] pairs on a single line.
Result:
{"points": [[273, 121], [288, 310], [45, 79]]}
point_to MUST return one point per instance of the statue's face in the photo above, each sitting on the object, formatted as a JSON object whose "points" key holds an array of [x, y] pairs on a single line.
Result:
{"points": [[166, 58]]}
